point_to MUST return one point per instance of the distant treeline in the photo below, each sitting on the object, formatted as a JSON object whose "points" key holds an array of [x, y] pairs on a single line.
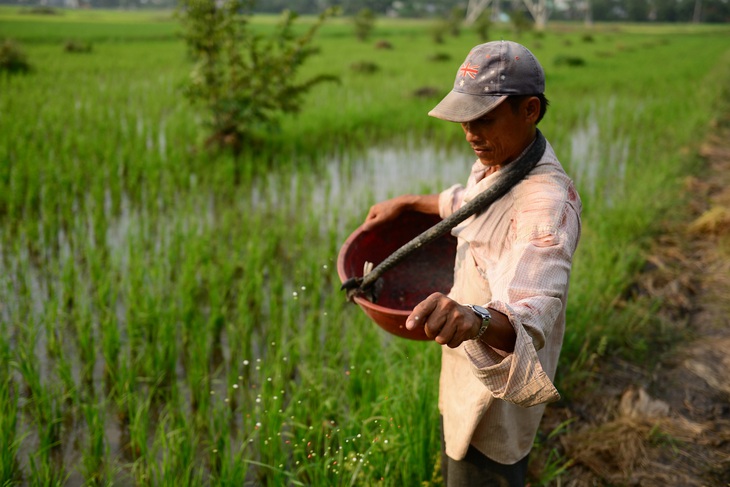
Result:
{"points": [[600, 10]]}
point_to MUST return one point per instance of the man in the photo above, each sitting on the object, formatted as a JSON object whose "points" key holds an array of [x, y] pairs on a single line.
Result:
{"points": [[503, 322]]}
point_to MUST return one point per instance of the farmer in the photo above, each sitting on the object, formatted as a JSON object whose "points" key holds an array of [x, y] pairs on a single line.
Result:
{"points": [[502, 324]]}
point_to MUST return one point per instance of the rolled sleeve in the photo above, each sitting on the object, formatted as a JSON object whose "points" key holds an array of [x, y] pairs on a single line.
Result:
{"points": [[517, 377], [529, 285]]}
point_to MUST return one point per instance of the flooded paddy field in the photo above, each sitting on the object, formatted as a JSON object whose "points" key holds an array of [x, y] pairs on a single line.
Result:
{"points": [[170, 316]]}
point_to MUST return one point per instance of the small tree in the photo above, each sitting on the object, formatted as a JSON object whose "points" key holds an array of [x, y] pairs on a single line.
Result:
{"points": [[454, 21], [520, 22], [364, 23], [245, 81], [482, 24]]}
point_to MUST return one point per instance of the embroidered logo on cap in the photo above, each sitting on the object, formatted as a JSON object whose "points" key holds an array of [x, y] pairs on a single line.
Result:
{"points": [[468, 69]]}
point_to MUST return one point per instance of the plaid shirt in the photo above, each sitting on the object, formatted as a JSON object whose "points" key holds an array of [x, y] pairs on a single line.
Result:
{"points": [[515, 258]]}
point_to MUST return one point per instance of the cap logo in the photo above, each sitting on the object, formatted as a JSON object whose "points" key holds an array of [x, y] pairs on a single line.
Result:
{"points": [[468, 69]]}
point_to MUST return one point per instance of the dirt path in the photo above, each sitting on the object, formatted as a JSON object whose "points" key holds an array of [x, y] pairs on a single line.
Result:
{"points": [[669, 426]]}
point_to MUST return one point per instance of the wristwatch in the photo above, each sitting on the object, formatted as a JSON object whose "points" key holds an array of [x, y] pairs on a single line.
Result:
{"points": [[484, 314]]}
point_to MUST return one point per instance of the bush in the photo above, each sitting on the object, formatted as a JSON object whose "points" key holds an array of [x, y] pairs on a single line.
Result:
{"points": [[245, 81], [454, 21], [520, 22], [364, 24], [567, 60], [365, 67], [74, 46], [439, 57], [438, 31], [41, 10], [12, 58], [482, 25]]}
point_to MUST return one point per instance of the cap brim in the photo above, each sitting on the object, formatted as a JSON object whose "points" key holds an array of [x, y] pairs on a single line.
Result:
{"points": [[461, 107]]}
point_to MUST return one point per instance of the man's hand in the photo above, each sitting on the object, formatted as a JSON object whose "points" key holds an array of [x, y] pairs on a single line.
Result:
{"points": [[444, 320], [388, 210], [383, 212]]}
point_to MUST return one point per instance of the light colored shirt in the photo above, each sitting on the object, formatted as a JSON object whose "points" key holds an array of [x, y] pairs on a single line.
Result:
{"points": [[514, 258]]}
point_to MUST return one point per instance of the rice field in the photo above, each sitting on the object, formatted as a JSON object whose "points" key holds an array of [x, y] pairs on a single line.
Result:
{"points": [[170, 316]]}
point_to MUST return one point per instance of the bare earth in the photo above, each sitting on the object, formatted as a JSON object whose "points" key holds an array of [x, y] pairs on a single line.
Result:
{"points": [[670, 425]]}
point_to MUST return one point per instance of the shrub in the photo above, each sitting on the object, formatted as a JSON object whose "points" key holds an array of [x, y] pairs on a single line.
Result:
{"points": [[364, 22], [41, 10], [12, 58], [454, 21], [482, 25], [74, 46], [567, 60], [365, 67], [438, 31], [428, 92], [520, 22], [440, 57], [245, 81]]}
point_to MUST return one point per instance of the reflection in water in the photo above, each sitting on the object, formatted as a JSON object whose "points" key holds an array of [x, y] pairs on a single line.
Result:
{"points": [[599, 153]]}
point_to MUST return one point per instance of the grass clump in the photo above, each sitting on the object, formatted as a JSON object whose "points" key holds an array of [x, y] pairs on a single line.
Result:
{"points": [[365, 67], [77, 47], [13, 58], [569, 60]]}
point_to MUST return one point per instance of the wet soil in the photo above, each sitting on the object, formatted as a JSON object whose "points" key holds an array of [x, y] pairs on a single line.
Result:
{"points": [[668, 423]]}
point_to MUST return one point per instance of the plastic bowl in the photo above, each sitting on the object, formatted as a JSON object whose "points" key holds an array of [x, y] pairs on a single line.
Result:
{"points": [[427, 270]]}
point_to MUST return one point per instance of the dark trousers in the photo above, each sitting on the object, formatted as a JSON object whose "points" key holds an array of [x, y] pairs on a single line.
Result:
{"points": [[476, 470]]}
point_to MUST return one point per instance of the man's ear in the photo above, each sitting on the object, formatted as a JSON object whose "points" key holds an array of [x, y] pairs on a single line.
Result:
{"points": [[532, 109]]}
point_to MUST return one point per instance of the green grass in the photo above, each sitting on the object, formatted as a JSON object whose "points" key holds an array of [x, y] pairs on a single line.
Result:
{"points": [[162, 325]]}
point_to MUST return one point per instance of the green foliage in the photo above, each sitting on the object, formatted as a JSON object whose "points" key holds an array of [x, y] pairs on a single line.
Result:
{"points": [[482, 25], [364, 23], [245, 81], [520, 22], [365, 67], [439, 57], [13, 58], [41, 10], [76, 46], [568, 60], [454, 21], [448, 25], [438, 31]]}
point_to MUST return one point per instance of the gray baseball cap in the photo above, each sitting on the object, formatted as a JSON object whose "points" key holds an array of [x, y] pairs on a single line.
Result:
{"points": [[490, 73]]}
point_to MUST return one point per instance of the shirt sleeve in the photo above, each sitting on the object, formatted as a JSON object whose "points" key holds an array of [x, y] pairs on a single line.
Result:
{"points": [[529, 285], [450, 200]]}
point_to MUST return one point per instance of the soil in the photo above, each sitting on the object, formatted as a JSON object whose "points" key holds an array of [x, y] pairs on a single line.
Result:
{"points": [[668, 423]]}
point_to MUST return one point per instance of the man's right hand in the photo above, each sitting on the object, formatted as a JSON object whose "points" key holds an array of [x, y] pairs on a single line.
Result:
{"points": [[388, 210]]}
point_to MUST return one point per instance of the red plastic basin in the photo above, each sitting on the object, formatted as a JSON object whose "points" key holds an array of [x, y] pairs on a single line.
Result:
{"points": [[427, 270]]}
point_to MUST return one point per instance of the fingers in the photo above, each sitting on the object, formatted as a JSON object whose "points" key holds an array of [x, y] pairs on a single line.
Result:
{"points": [[443, 320], [385, 211]]}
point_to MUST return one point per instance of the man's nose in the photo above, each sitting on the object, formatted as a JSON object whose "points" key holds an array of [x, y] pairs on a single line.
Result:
{"points": [[471, 134]]}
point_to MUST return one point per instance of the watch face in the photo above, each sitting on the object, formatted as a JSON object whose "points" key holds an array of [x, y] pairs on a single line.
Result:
{"points": [[481, 311]]}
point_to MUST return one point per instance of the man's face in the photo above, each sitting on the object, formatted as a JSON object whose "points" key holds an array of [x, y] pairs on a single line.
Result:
{"points": [[501, 135]]}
